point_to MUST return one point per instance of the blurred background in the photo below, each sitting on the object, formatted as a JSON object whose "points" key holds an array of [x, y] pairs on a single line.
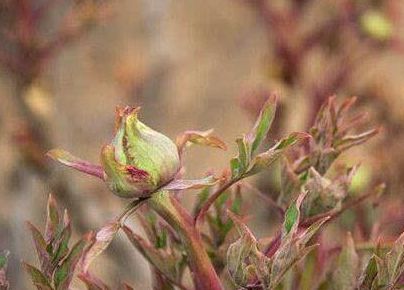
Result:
{"points": [[65, 65]]}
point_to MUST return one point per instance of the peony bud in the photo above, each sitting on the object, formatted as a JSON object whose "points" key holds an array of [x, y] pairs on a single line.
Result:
{"points": [[139, 160]]}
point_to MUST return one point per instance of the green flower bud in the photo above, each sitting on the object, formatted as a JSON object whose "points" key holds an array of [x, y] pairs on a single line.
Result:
{"points": [[139, 160]]}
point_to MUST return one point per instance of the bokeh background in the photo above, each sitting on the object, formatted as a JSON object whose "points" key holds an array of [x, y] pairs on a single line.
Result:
{"points": [[65, 65]]}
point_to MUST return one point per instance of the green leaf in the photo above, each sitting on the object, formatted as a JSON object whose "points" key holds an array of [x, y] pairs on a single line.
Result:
{"points": [[266, 159], [64, 273], [38, 279], [292, 215], [369, 275], [264, 121], [61, 244]]}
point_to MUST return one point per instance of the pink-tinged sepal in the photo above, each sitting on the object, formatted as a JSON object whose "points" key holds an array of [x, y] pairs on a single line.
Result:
{"points": [[72, 161], [182, 184]]}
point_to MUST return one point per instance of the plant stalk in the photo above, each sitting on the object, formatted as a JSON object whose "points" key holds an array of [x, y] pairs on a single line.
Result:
{"points": [[203, 273]]}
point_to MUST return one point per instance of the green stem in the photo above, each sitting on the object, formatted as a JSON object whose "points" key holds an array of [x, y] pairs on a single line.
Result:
{"points": [[204, 275]]}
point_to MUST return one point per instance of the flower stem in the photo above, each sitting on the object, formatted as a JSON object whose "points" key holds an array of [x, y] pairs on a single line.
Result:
{"points": [[174, 214]]}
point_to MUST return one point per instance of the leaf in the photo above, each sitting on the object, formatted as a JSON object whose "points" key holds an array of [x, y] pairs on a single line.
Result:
{"points": [[265, 159], [100, 242], [52, 219], [69, 160], [166, 264], [238, 252], [353, 140], [395, 260], [201, 138], [369, 275], [37, 278], [292, 246], [64, 273], [4, 284], [181, 184], [264, 121], [41, 249], [61, 244], [292, 215], [345, 275]]}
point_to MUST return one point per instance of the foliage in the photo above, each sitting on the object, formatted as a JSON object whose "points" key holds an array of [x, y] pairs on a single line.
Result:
{"points": [[144, 165]]}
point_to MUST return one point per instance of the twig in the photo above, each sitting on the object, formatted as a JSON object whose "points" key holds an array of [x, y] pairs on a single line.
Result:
{"points": [[204, 209]]}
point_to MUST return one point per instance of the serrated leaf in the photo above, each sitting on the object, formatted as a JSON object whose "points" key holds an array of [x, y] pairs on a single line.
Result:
{"points": [[38, 279], [346, 273], [182, 184], [64, 273], [99, 243]]}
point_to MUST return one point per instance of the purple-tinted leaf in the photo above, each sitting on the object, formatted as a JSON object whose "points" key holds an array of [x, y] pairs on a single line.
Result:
{"points": [[354, 140], [69, 160], [41, 248], [100, 242], [64, 273], [181, 184], [38, 279]]}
